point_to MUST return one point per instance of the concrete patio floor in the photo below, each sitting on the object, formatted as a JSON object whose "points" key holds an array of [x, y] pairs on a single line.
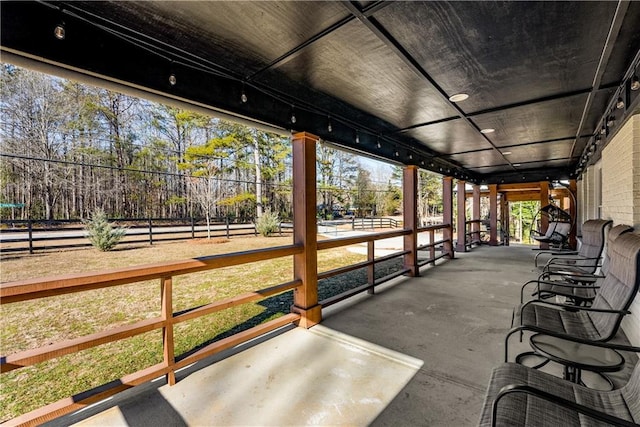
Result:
{"points": [[418, 352]]}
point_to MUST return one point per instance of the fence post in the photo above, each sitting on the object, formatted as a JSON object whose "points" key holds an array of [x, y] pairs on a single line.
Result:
{"points": [[371, 272], [353, 223], [226, 223], [193, 229], [150, 232], [30, 226]]}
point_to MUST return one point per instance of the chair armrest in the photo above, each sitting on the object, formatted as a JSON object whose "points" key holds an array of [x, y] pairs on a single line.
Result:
{"points": [[547, 282], [580, 277], [538, 329], [573, 308], [577, 274], [569, 285], [553, 253], [614, 346], [595, 310], [561, 261], [556, 400]]}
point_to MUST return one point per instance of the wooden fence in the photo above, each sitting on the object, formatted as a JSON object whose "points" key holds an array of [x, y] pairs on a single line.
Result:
{"points": [[31, 236]]}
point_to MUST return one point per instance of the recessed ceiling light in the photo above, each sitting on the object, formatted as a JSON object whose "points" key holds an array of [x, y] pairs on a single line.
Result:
{"points": [[487, 130], [458, 97], [506, 153]]}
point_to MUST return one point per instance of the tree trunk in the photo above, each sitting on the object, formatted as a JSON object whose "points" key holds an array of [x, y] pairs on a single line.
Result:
{"points": [[256, 159]]}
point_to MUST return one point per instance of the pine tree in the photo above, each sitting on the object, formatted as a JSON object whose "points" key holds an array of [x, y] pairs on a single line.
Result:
{"points": [[100, 233]]}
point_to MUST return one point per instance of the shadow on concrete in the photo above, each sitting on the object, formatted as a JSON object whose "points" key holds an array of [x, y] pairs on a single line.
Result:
{"points": [[136, 413], [280, 304]]}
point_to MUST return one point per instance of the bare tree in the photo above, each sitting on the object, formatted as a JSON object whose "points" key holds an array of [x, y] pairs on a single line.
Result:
{"points": [[33, 113], [204, 193]]}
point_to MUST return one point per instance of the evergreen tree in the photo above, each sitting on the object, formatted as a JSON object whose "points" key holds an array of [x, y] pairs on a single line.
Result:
{"points": [[100, 233]]}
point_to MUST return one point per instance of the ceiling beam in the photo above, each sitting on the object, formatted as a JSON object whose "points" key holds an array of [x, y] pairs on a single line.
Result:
{"points": [[296, 50]]}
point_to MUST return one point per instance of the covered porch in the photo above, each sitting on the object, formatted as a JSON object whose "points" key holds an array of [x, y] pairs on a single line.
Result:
{"points": [[418, 352], [449, 87]]}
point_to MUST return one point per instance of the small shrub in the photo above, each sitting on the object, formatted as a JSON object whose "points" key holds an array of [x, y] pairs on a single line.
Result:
{"points": [[268, 224], [100, 233]]}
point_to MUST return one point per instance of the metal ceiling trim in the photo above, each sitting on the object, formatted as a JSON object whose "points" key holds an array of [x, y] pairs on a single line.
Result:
{"points": [[293, 52], [530, 102], [544, 141], [612, 36], [433, 122]]}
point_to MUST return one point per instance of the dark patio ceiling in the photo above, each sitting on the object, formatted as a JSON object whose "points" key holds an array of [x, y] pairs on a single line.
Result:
{"points": [[542, 74]]}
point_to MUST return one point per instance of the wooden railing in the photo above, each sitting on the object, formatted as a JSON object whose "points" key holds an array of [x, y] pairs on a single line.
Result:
{"points": [[372, 260], [373, 223], [32, 289], [472, 233], [39, 288]]}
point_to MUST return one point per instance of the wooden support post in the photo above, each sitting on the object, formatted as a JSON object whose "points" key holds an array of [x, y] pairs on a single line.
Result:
{"points": [[447, 213], [505, 218], [432, 248], [493, 214], [544, 201], [573, 211], [166, 288], [476, 213], [461, 226], [305, 264], [410, 218]]}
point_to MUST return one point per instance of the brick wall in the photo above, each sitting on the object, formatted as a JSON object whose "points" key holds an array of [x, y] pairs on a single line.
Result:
{"points": [[621, 195]]}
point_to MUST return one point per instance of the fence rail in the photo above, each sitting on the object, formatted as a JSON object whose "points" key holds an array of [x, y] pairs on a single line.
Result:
{"points": [[55, 234], [32, 289], [67, 234]]}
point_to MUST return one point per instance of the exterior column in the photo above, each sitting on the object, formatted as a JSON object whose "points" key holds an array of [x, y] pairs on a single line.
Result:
{"points": [[505, 218], [447, 213], [475, 227], [573, 211], [410, 217], [462, 218], [493, 214], [305, 264], [544, 201]]}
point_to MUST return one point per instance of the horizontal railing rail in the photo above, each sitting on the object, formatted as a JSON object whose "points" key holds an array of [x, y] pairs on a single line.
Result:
{"points": [[31, 289]]}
